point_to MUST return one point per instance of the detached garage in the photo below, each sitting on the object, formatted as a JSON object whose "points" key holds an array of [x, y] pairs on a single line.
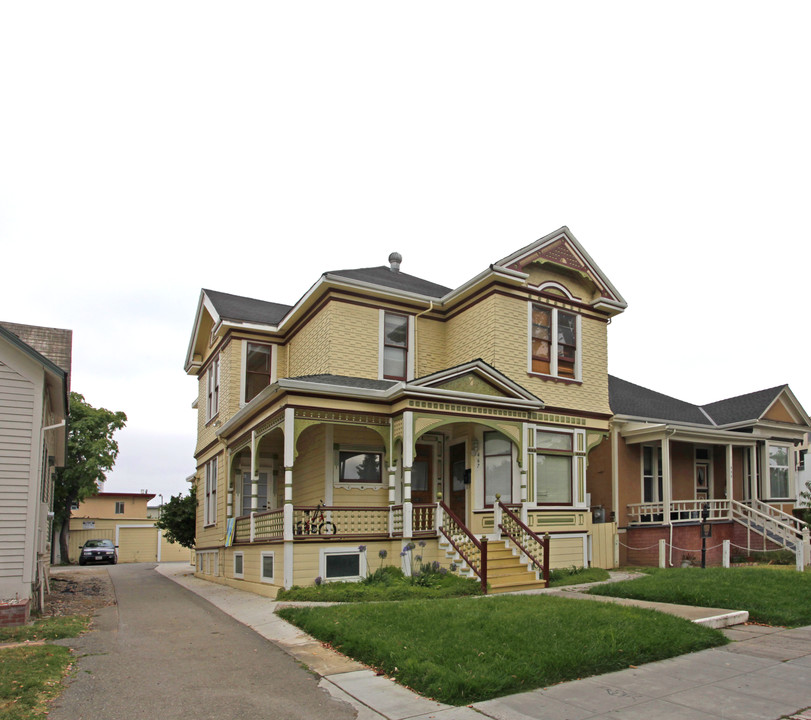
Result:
{"points": [[121, 517]]}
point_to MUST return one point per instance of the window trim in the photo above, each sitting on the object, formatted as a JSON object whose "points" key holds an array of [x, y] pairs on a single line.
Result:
{"points": [[241, 574], [213, 388], [484, 466], [244, 369], [409, 349], [369, 449], [119, 503], [788, 466], [210, 493], [342, 550], [576, 468], [657, 473], [553, 343], [262, 577]]}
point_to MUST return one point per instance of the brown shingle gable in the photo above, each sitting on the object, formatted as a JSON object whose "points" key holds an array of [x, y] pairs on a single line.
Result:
{"points": [[56, 344]]}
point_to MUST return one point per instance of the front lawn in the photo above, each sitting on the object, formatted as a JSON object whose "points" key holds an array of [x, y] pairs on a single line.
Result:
{"points": [[463, 650], [31, 675], [771, 595]]}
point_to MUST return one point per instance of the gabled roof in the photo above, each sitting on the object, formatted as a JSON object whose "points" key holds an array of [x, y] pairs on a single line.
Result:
{"points": [[630, 400], [52, 344], [236, 307], [626, 398], [386, 277], [743, 407]]}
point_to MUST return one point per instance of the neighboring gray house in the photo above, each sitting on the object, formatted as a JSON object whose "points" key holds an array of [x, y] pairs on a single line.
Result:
{"points": [[34, 386]]}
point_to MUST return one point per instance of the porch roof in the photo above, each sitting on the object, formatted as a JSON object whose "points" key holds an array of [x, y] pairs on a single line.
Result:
{"points": [[639, 432]]}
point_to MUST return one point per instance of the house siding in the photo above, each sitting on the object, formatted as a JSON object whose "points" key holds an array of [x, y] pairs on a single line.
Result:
{"points": [[354, 342], [309, 350], [17, 409]]}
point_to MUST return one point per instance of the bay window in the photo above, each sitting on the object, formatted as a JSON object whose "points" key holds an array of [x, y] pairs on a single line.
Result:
{"points": [[554, 459]]}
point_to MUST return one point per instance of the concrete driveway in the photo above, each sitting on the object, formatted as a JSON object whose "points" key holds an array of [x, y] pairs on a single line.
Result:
{"points": [[163, 652]]}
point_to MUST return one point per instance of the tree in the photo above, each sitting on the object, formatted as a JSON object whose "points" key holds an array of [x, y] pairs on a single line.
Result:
{"points": [[179, 518], [91, 454]]}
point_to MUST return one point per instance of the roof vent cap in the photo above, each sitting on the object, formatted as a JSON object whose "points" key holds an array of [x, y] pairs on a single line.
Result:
{"points": [[395, 259]]}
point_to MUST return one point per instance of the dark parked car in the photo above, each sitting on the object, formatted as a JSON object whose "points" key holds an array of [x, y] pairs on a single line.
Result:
{"points": [[98, 551]]}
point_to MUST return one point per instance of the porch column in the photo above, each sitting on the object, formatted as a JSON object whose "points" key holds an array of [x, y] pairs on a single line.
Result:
{"points": [[289, 460], [254, 474], [408, 459], [753, 475], [667, 487], [524, 462], [729, 480], [229, 499]]}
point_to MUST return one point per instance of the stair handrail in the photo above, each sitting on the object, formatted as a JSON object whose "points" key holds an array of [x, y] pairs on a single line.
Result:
{"points": [[521, 541], [479, 567], [779, 515], [781, 529]]}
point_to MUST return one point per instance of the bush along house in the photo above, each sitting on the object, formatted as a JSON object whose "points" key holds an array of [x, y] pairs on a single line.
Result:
{"points": [[383, 411], [669, 465]]}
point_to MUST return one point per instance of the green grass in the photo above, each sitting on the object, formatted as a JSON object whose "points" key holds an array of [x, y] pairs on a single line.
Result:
{"points": [[464, 650], [558, 577], [29, 678], [388, 583], [773, 595], [51, 628]]}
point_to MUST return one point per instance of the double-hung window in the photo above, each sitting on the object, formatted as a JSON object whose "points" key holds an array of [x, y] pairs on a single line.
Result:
{"points": [[119, 508], [652, 491], [395, 346], [554, 455], [210, 506], [213, 389], [257, 369], [554, 342], [498, 468], [779, 458]]}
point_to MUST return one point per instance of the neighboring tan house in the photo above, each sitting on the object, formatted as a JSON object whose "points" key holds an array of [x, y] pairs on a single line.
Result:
{"points": [[667, 460], [328, 430], [34, 385], [124, 519]]}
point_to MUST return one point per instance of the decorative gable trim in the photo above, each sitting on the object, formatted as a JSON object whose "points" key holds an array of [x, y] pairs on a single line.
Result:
{"points": [[562, 249], [481, 380], [785, 406]]}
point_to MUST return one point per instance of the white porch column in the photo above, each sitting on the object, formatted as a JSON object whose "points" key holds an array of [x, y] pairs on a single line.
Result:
{"points": [[524, 461], [408, 459], [289, 460], [753, 476], [229, 498], [667, 486]]}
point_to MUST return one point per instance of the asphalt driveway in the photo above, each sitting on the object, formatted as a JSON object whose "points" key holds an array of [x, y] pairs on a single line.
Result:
{"points": [[163, 652]]}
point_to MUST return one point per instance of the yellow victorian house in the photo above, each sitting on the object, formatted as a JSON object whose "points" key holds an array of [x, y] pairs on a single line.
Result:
{"points": [[387, 419]]}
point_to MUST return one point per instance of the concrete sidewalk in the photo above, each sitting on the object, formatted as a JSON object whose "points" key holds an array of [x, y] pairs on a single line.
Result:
{"points": [[765, 673]]}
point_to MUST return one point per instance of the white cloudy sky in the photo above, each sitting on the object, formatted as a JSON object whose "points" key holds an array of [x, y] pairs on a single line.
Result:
{"points": [[150, 149]]}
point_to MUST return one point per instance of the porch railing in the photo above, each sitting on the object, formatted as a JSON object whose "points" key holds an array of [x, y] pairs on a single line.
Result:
{"points": [[264, 526], [323, 521], [423, 519], [680, 511], [471, 550], [535, 548]]}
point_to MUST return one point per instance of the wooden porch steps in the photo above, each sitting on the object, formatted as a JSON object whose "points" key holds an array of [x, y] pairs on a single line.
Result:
{"points": [[506, 572]]}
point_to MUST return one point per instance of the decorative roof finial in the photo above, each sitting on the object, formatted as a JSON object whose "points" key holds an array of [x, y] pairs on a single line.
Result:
{"points": [[395, 259]]}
